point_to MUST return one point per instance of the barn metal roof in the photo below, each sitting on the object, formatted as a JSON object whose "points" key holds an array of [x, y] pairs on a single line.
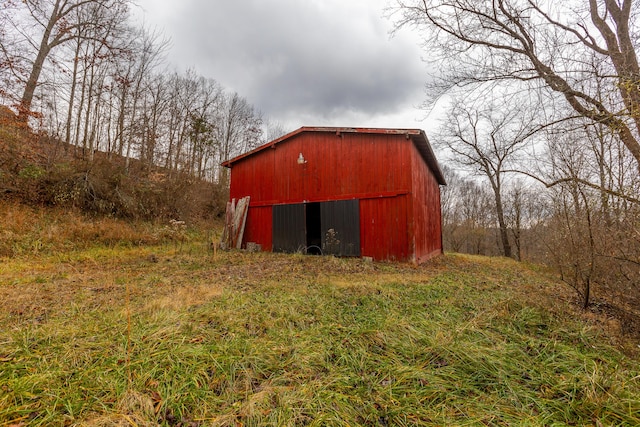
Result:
{"points": [[418, 137]]}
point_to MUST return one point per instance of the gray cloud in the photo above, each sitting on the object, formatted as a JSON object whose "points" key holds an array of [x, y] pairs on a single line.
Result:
{"points": [[298, 60]]}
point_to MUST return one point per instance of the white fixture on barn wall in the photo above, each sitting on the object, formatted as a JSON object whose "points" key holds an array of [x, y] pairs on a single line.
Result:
{"points": [[301, 160]]}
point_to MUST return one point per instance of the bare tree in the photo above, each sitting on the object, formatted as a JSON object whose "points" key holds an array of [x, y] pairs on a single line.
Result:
{"points": [[13, 64], [239, 129], [448, 204], [485, 141], [51, 25], [477, 219], [467, 216], [92, 50], [571, 240], [144, 54], [593, 236], [155, 106], [202, 124], [542, 43], [526, 211], [184, 90], [273, 130]]}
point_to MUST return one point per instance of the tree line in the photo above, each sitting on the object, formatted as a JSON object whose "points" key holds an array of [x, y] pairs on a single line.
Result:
{"points": [[83, 72]]}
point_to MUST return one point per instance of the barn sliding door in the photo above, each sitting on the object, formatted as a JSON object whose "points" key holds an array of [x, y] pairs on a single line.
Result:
{"points": [[330, 228], [341, 227], [289, 233]]}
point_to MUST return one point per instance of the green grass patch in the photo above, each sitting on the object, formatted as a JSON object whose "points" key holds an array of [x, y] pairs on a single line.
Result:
{"points": [[175, 336]]}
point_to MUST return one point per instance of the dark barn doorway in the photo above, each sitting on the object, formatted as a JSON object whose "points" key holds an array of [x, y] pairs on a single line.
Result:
{"points": [[330, 228], [314, 229]]}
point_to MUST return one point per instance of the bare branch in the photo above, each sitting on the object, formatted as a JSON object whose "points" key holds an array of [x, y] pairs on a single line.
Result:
{"points": [[492, 42], [576, 180]]}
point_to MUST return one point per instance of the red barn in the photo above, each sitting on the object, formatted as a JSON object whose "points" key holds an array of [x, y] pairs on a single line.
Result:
{"points": [[343, 191]]}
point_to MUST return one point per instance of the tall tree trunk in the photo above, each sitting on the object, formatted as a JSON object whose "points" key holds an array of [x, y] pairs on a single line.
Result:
{"points": [[80, 109], [87, 117], [72, 95], [121, 114], [504, 231], [43, 51]]}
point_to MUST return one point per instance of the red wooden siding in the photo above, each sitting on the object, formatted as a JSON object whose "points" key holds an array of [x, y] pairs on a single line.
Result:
{"points": [[427, 220], [251, 178], [258, 229], [383, 228], [342, 166], [385, 169]]}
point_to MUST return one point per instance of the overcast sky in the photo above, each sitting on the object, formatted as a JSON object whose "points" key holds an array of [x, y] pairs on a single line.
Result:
{"points": [[301, 62]]}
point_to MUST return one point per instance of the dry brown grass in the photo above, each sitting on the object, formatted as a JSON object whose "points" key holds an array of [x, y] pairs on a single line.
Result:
{"points": [[132, 410], [29, 230]]}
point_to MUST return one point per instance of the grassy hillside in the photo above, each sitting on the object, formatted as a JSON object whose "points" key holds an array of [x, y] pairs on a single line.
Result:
{"points": [[143, 331], [41, 170]]}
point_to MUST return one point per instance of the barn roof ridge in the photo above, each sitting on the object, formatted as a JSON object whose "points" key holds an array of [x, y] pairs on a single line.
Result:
{"points": [[418, 137]]}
